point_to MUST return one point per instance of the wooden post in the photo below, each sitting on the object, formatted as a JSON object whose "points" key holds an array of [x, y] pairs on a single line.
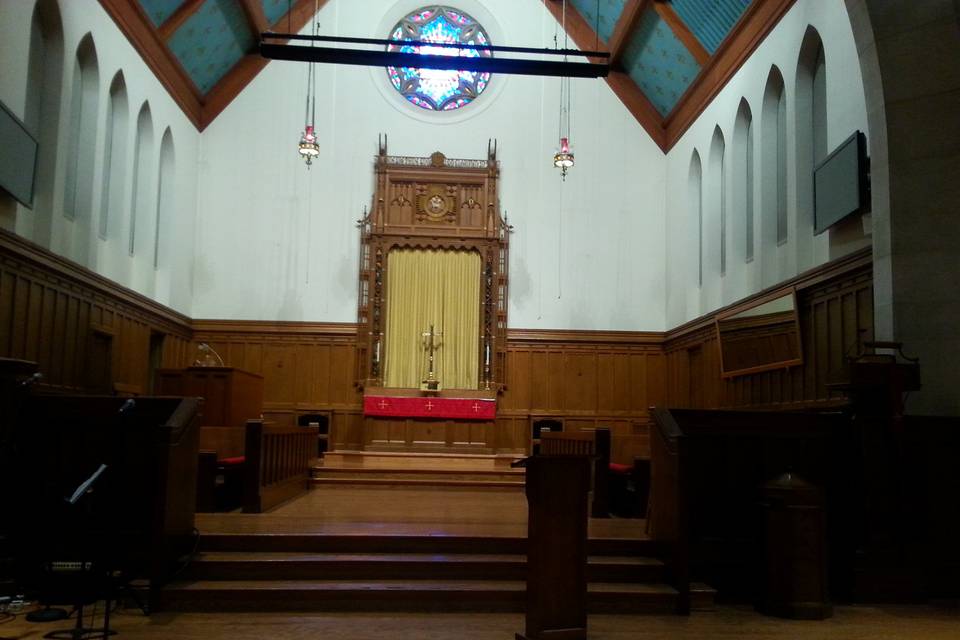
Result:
{"points": [[556, 489]]}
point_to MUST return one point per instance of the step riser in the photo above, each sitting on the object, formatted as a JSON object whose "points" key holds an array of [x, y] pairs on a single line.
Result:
{"points": [[433, 481], [406, 544], [407, 600], [359, 570], [361, 544]]}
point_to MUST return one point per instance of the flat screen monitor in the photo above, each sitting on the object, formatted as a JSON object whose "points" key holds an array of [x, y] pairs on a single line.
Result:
{"points": [[18, 157], [841, 183]]}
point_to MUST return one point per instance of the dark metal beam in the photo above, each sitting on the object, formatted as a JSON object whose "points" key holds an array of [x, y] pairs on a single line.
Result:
{"points": [[450, 63], [444, 45]]}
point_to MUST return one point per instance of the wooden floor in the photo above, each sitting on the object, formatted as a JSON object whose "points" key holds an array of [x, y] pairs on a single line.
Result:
{"points": [[733, 623], [380, 510]]}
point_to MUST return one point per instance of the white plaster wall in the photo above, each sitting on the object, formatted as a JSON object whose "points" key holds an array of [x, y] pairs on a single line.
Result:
{"points": [[846, 113], [276, 241], [172, 283]]}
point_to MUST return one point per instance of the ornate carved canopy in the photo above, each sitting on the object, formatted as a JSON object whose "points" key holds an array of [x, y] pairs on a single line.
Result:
{"points": [[434, 202]]}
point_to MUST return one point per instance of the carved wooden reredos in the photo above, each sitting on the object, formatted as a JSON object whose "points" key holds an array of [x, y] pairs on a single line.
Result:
{"points": [[433, 203]]}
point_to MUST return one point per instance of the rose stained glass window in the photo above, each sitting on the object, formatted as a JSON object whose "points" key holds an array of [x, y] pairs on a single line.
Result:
{"points": [[435, 89]]}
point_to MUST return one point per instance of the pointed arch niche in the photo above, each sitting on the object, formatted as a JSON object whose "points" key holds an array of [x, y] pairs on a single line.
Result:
{"points": [[695, 214], [811, 139], [114, 160], [42, 113], [81, 150], [773, 153], [433, 246]]}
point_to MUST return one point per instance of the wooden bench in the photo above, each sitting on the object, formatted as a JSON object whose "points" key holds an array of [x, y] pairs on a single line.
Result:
{"points": [[219, 468]]}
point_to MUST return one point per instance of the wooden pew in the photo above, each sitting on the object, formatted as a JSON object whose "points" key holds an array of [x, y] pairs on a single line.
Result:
{"points": [[277, 466], [707, 472], [595, 444], [221, 457], [139, 516]]}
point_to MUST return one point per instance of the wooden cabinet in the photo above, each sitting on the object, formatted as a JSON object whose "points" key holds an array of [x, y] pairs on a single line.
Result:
{"points": [[230, 396]]}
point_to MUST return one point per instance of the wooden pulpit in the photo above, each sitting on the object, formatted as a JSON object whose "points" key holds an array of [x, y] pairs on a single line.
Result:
{"points": [[557, 489], [230, 396]]}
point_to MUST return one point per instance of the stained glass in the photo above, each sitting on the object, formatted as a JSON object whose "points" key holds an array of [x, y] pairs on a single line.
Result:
{"points": [[435, 89]]}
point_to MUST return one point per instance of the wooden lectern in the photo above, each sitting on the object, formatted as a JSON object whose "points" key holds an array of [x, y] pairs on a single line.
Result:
{"points": [[556, 489], [230, 396]]}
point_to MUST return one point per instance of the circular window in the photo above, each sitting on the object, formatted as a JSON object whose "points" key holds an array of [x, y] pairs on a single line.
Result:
{"points": [[435, 89]]}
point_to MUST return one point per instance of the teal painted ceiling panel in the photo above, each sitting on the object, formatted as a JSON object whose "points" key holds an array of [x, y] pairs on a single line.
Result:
{"points": [[160, 10], [658, 62], [211, 41], [275, 9], [609, 13], [710, 20]]}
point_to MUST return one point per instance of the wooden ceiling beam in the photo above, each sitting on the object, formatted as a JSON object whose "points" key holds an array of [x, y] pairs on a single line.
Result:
{"points": [[627, 22], [622, 84], [177, 18], [682, 31], [136, 26], [242, 73], [639, 106], [578, 29], [753, 27], [256, 18]]}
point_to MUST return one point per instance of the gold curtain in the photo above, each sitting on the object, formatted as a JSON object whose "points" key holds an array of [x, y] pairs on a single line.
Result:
{"points": [[435, 287]]}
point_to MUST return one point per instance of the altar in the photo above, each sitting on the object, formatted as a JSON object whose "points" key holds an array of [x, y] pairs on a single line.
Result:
{"points": [[432, 318], [450, 421]]}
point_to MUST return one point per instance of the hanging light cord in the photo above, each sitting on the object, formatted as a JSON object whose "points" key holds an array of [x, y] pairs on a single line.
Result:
{"points": [[310, 114], [564, 123]]}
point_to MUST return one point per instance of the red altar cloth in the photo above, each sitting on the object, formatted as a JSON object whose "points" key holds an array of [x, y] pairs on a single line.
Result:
{"points": [[430, 407]]}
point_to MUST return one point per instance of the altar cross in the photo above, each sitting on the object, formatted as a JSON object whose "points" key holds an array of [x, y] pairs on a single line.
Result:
{"points": [[430, 344]]}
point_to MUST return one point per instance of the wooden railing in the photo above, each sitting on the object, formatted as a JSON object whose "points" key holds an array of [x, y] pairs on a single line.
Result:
{"points": [[277, 464], [667, 513]]}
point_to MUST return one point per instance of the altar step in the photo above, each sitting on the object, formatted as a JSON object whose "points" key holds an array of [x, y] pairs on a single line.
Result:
{"points": [[417, 469], [280, 566], [294, 572], [401, 595]]}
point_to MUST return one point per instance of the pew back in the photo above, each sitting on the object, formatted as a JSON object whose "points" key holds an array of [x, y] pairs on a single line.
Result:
{"points": [[708, 469], [277, 466], [139, 514]]}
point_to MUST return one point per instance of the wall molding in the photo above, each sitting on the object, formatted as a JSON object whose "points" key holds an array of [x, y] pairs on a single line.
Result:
{"points": [[834, 269], [516, 337], [15, 249], [346, 330]]}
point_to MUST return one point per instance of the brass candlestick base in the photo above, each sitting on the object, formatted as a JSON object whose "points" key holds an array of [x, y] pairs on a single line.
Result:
{"points": [[430, 386]]}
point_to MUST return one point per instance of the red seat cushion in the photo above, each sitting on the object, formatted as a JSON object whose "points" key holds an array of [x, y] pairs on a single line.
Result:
{"points": [[232, 462], [620, 469]]}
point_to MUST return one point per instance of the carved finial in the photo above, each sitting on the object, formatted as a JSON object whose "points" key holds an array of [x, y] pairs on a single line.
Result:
{"points": [[437, 159]]}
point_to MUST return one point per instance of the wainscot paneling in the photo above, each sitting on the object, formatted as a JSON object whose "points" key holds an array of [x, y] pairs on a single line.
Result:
{"points": [[306, 368], [86, 333], [835, 306], [585, 380]]}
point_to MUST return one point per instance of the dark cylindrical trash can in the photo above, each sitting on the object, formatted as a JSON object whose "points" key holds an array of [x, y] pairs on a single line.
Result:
{"points": [[795, 551]]}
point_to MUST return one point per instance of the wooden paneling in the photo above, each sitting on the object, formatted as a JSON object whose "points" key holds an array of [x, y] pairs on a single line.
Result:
{"points": [[51, 309], [835, 305], [78, 326], [585, 379]]}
